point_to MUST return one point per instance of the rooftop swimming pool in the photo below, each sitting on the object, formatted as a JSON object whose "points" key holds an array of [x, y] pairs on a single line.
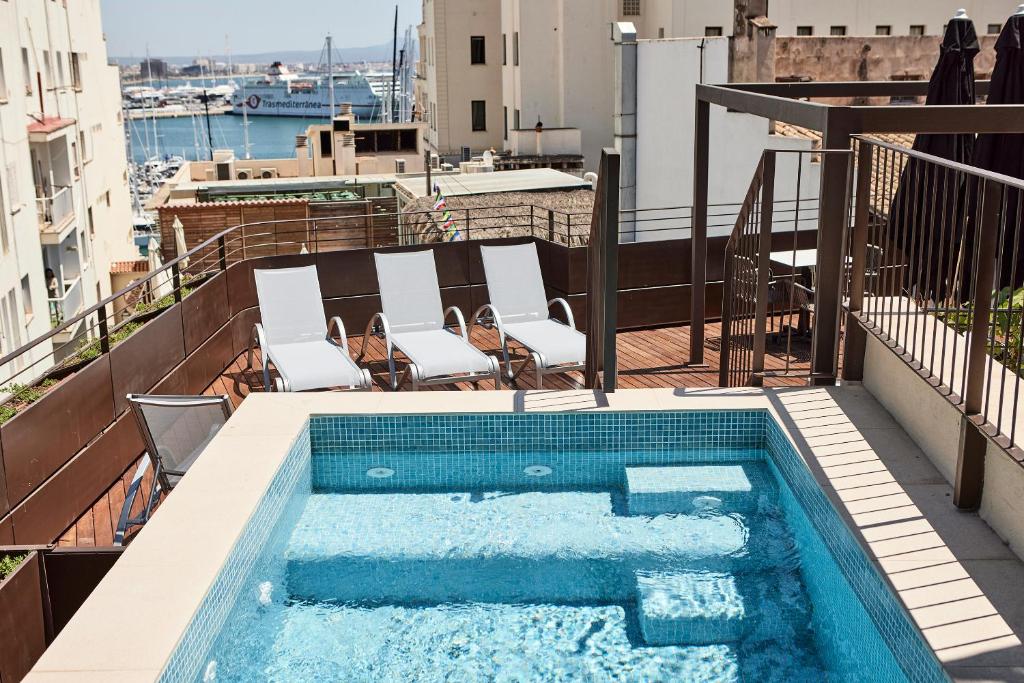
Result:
{"points": [[637, 546]]}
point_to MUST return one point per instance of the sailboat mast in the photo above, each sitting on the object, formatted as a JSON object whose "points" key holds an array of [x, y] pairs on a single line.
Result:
{"points": [[245, 122], [330, 76], [394, 67]]}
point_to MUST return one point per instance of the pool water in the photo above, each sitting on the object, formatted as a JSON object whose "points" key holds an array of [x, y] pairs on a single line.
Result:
{"points": [[550, 564]]}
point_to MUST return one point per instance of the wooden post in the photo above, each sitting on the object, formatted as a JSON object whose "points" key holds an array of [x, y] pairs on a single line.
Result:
{"points": [[856, 336], [602, 278], [970, 463], [699, 231]]}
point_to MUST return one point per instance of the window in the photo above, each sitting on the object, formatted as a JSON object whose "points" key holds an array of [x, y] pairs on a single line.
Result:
{"points": [[712, 30], [48, 68], [60, 70], [661, 32], [504, 49], [26, 71], [837, 31], [76, 70], [515, 49], [3, 79], [84, 244], [917, 29], [504, 117], [805, 30], [882, 30], [515, 119], [74, 158], [631, 8], [26, 298], [12, 187], [994, 29], [477, 54], [479, 108], [325, 144], [5, 239]]}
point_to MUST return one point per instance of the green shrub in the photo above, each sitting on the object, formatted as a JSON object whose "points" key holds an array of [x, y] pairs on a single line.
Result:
{"points": [[8, 563]]}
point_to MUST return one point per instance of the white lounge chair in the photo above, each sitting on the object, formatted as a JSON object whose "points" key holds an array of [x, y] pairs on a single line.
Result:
{"points": [[175, 430], [413, 322], [295, 338], [519, 309]]}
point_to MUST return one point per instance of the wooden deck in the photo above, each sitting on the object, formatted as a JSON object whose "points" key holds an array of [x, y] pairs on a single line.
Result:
{"points": [[647, 359]]}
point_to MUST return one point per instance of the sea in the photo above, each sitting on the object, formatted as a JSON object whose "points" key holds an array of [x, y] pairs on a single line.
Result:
{"points": [[270, 137]]}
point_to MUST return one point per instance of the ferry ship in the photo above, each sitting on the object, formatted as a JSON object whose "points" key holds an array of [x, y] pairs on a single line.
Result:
{"points": [[282, 93]]}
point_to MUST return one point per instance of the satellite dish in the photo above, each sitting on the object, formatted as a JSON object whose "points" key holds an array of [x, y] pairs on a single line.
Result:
{"points": [[488, 158], [960, 14]]}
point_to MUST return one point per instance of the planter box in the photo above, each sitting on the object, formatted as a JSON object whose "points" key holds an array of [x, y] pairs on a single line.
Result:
{"points": [[22, 618]]}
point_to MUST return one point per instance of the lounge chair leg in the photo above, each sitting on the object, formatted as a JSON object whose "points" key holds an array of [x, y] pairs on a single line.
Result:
{"points": [[538, 366]]}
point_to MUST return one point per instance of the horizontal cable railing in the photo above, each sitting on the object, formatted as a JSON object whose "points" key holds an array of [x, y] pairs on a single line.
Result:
{"points": [[78, 336], [937, 268]]}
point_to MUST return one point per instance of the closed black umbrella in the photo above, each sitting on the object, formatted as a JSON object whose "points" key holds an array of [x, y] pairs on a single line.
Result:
{"points": [[923, 213], [1004, 153]]}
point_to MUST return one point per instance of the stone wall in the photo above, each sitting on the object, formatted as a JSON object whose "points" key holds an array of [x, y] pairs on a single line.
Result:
{"points": [[866, 58]]}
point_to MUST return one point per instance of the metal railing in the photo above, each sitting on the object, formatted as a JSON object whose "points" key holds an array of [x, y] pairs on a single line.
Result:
{"points": [[64, 307], [768, 288], [54, 209], [100, 327], [936, 273]]}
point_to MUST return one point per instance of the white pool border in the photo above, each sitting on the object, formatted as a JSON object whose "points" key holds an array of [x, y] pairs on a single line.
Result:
{"points": [[129, 627]]}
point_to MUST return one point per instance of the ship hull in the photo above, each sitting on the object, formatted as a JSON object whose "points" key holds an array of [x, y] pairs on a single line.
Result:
{"points": [[311, 105]]}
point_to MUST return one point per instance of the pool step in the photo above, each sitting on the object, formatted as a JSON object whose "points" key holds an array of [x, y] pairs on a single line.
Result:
{"points": [[530, 546], [690, 608], [694, 488]]}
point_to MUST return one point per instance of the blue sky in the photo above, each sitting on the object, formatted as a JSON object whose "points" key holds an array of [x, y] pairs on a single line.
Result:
{"points": [[194, 27]]}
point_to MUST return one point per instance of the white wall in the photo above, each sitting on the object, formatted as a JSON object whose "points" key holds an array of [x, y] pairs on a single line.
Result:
{"points": [[667, 74]]}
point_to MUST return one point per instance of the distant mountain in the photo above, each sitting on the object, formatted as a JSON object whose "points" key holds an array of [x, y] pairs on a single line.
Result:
{"points": [[373, 53]]}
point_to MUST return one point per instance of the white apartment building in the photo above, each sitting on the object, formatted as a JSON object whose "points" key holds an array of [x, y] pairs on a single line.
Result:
{"points": [[64, 200], [460, 90], [556, 56]]}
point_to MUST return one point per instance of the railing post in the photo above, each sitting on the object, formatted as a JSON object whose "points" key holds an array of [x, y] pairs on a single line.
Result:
{"points": [[856, 336], [222, 253], [551, 225], [176, 282], [723, 355], [970, 464], [832, 228], [699, 230], [467, 225], [764, 248], [101, 312]]}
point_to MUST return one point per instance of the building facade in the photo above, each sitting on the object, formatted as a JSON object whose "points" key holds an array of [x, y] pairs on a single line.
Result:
{"points": [[460, 94], [554, 58], [65, 209]]}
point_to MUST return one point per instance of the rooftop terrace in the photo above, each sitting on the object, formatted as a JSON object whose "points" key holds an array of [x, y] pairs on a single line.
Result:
{"points": [[696, 321]]}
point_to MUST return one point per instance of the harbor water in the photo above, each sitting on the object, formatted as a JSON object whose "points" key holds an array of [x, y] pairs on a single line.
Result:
{"points": [[270, 137]]}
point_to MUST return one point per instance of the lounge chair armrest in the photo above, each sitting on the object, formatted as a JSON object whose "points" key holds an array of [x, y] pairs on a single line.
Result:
{"points": [[459, 319], [336, 322], [497, 321], [565, 307], [369, 330]]}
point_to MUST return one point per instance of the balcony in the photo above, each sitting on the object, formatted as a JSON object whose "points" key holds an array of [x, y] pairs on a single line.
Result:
{"points": [[68, 305], [56, 214]]}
